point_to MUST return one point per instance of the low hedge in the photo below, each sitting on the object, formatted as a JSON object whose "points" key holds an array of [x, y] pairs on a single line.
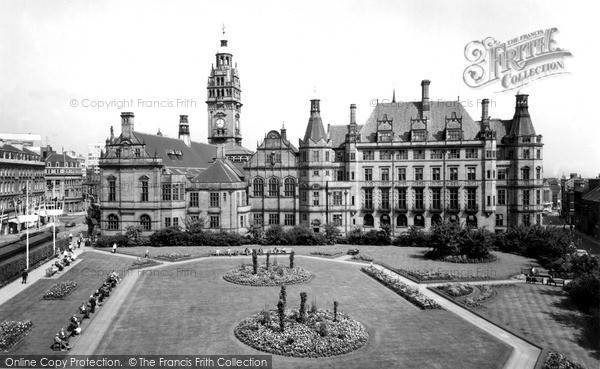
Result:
{"points": [[11, 269]]}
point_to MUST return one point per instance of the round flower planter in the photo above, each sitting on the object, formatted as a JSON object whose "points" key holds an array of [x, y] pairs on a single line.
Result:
{"points": [[318, 336], [275, 276]]}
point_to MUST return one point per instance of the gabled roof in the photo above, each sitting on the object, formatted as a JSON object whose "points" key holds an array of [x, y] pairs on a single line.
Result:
{"points": [[54, 157], [218, 172], [175, 153], [401, 114], [593, 195], [502, 127], [337, 134]]}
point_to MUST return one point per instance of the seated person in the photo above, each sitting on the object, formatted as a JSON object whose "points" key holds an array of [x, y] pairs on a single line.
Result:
{"points": [[217, 252], [63, 336], [260, 251], [62, 344], [246, 251], [59, 266], [275, 250], [236, 252], [115, 276], [228, 252], [66, 261], [85, 311], [92, 303], [74, 328]]}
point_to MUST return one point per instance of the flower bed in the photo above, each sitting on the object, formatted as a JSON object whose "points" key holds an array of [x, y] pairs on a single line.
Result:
{"points": [[60, 291], [12, 332], [457, 289], [362, 257], [275, 276], [319, 336], [328, 254], [556, 360], [410, 294], [463, 259], [430, 275], [143, 263], [485, 293], [175, 256]]}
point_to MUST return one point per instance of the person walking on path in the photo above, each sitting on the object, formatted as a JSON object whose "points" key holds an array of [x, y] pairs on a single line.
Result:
{"points": [[24, 274], [114, 250], [147, 254]]}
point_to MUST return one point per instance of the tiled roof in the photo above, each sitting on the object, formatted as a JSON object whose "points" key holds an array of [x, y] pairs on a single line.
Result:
{"points": [[231, 148], [218, 172], [197, 155], [54, 157], [337, 134], [314, 129], [502, 127], [593, 195], [401, 114]]}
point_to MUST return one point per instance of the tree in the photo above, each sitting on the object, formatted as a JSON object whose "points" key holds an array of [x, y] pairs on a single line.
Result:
{"points": [[254, 262], [332, 233], [268, 260], [335, 310], [283, 295], [195, 226], [133, 233], [93, 212], [281, 313], [303, 297]]}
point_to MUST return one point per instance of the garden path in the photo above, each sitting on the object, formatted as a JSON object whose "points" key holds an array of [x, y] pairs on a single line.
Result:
{"points": [[524, 355], [15, 287]]}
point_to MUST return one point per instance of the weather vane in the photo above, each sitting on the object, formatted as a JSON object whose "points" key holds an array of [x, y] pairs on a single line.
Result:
{"points": [[223, 29]]}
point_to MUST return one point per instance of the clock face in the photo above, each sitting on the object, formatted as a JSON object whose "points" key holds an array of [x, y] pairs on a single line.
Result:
{"points": [[220, 123]]}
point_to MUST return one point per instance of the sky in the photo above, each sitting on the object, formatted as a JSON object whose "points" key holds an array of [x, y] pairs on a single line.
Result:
{"points": [[61, 59]]}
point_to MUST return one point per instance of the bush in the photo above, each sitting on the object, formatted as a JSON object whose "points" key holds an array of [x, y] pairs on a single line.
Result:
{"points": [[274, 235], [414, 237], [171, 236], [108, 241], [584, 291], [373, 237], [448, 239], [11, 269], [544, 244], [559, 361], [303, 236]]}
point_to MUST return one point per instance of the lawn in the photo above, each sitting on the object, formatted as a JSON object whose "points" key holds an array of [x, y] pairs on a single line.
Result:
{"points": [[189, 309], [544, 315], [408, 258], [49, 316]]}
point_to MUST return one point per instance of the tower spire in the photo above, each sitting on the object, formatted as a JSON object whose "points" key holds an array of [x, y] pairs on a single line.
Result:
{"points": [[394, 96]]}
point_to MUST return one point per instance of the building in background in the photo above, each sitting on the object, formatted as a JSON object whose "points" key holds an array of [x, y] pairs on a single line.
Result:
{"points": [[21, 174], [410, 164], [568, 187], [32, 142], [64, 180], [92, 159]]}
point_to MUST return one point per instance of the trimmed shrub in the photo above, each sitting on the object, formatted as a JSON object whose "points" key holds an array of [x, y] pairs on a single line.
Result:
{"points": [[414, 237], [584, 291], [108, 241]]}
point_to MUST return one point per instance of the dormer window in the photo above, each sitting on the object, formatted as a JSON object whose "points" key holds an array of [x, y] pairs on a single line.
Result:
{"points": [[385, 137], [418, 135], [453, 135]]}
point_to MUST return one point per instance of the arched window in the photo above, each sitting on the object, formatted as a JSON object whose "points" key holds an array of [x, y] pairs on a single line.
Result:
{"points": [[419, 220], [436, 219], [258, 187], [401, 221], [113, 222], [368, 220], [146, 222], [472, 221], [384, 220], [273, 186], [289, 188]]}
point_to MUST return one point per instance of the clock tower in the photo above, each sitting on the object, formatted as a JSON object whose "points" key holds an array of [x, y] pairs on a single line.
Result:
{"points": [[224, 101]]}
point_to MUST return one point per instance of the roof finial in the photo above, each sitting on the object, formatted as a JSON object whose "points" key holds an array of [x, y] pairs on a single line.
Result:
{"points": [[223, 29], [394, 95], [283, 124]]}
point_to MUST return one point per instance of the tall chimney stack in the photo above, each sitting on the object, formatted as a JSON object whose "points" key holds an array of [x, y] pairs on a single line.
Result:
{"points": [[184, 130], [283, 132], [352, 113], [485, 113], [425, 94], [127, 124]]}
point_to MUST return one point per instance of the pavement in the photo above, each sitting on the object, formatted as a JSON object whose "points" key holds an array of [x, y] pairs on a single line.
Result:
{"points": [[523, 356]]}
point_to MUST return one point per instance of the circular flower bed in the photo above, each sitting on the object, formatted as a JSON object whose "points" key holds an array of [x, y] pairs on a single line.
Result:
{"points": [[60, 291], [12, 332], [319, 336], [275, 276]]}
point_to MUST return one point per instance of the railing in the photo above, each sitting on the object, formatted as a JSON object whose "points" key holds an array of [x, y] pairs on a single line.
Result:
{"points": [[526, 208]]}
